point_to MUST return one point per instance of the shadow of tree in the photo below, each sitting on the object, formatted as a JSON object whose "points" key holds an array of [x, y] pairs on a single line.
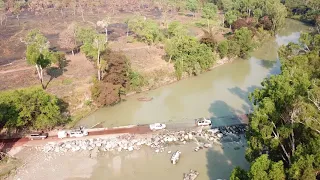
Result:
{"points": [[223, 114], [55, 72], [222, 160], [244, 94]]}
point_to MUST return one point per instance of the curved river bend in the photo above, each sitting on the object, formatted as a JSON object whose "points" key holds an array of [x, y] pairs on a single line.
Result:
{"points": [[220, 92]]}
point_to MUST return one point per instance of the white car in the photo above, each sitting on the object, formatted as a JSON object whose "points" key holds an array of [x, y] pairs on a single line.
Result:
{"points": [[157, 126], [78, 133], [62, 134], [203, 122]]}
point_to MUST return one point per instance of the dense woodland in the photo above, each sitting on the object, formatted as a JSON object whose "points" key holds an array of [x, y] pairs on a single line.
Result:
{"points": [[284, 129]]}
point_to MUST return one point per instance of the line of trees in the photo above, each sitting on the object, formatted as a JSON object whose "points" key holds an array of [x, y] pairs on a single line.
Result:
{"points": [[284, 129]]}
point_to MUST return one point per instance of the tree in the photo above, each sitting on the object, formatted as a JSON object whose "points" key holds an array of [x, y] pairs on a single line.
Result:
{"points": [[146, 30], [189, 55], [277, 13], [238, 174], [227, 5], [262, 168], [104, 24], [17, 9], [223, 48], [243, 37], [285, 122], [30, 108], [192, 5], [209, 11], [3, 15], [175, 28], [231, 17], [67, 38], [93, 45], [37, 52]]}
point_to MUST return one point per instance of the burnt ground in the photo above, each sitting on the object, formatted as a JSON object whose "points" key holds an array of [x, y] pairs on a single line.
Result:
{"points": [[74, 82]]}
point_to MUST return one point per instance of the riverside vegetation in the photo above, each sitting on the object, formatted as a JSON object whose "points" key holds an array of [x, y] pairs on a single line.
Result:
{"points": [[284, 127]]}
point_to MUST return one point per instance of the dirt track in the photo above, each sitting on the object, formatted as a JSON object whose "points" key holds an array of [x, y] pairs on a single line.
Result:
{"points": [[11, 143]]}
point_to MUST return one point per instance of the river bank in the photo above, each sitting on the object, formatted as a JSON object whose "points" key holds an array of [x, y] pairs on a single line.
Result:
{"points": [[120, 156]]}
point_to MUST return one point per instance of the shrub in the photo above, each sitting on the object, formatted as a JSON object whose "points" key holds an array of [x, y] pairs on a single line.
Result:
{"points": [[223, 48]]}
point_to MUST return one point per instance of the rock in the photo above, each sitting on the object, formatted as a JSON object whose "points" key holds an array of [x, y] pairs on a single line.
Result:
{"points": [[157, 150], [192, 175], [186, 137], [119, 149], [196, 149], [207, 145], [169, 152], [220, 135], [190, 136], [130, 148]]}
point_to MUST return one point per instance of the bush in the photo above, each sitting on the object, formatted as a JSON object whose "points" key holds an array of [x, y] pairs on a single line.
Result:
{"points": [[223, 48], [209, 40], [136, 81], [146, 30]]}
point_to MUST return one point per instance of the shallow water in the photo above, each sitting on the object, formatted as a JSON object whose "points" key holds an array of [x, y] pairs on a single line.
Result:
{"points": [[220, 92], [212, 163]]}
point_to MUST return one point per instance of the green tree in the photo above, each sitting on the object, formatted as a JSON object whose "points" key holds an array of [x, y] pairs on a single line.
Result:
{"points": [[189, 55], [223, 48], [263, 168], [175, 28], [193, 6], [231, 17], [209, 11], [277, 13], [146, 30], [37, 52], [30, 108], [285, 122], [238, 174], [93, 45], [243, 37]]}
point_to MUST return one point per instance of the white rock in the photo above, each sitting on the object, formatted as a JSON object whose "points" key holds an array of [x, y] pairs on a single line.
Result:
{"points": [[169, 152], [130, 148], [190, 136], [157, 150]]}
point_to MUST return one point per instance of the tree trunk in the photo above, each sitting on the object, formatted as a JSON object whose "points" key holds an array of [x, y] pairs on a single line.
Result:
{"points": [[98, 63], [18, 19], [40, 74], [106, 29], [128, 30], [82, 16], [208, 24], [72, 52]]}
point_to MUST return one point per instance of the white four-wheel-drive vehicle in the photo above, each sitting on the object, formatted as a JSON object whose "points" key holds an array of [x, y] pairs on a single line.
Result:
{"points": [[157, 126], [203, 122], [78, 132]]}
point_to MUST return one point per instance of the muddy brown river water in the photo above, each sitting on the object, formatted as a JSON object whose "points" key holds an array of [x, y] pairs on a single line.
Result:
{"points": [[220, 92]]}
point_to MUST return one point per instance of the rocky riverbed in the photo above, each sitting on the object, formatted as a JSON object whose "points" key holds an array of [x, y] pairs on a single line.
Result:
{"points": [[157, 141]]}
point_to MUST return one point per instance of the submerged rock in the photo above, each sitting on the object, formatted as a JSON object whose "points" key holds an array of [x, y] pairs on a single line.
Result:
{"points": [[192, 175]]}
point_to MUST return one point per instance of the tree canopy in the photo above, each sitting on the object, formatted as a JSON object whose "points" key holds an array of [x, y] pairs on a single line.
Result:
{"points": [[30, 108], [285, 123]]}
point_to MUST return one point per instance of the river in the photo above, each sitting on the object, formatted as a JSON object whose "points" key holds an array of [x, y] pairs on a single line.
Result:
{"points": [[220, 92], [217, 93]]}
